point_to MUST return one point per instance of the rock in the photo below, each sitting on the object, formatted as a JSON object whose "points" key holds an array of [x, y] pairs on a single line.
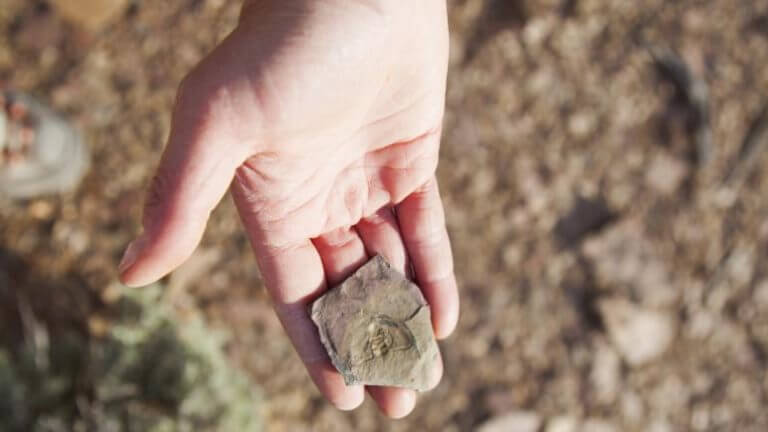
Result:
{"points": [[518, 421], [586, 217], [582, 124], [666, 173], [640, 334], [760, 295], [605, 376], [91, 15], [377, 329], [660, 425], [562, 424]]}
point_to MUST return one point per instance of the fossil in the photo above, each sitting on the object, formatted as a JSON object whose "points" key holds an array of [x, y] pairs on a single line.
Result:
{"points": [[377, 330], [381, 336]]}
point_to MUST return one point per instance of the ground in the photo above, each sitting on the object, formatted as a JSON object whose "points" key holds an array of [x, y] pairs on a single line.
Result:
{"points": [[601, 172]]}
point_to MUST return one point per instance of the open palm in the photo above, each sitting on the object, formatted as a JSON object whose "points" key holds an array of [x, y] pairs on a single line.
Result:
{"points": [[324, 117]]}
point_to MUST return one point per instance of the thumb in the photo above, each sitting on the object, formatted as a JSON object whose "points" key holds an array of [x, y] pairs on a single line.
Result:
{"points": [[195, 171]]}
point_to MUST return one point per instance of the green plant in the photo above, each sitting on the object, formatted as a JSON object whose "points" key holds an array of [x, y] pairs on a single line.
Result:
{"points": [[148, 373]]}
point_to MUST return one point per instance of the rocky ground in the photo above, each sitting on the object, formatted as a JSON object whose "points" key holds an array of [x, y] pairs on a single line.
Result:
{"points": [[602, 176]]}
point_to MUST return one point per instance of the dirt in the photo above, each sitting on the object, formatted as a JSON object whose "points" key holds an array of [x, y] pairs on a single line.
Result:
{"points": [[593, 150]]}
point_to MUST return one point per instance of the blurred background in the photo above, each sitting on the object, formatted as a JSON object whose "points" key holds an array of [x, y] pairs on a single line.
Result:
{"points": [[602, 171]]}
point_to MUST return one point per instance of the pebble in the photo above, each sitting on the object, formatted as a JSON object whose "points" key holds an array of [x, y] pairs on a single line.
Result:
{"points": [[91, 15], [605, 376], [562, 424], [639, 334], [665, 174]]}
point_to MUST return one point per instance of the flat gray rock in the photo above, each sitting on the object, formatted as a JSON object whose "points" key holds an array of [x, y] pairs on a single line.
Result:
{"points": [[377, 329]]}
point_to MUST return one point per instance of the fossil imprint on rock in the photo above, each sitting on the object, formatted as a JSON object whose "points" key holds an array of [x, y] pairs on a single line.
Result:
{"points": [[382, 336], [377, 330]]}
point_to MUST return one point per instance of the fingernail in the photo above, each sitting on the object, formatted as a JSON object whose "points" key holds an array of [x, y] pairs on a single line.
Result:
{"points": [[131, 253]]}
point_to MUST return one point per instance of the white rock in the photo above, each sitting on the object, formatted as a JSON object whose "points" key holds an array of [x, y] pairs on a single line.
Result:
{"points": [[93, 15], [581, 124], [537, 29], [517, 421], [605, 375], [640, 334], [665, 174], [659, 426], [562, 424], [761, 293], [741, 265]]}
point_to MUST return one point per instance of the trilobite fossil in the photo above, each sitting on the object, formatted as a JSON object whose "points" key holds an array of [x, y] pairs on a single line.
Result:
{"points": [[380, 336]]}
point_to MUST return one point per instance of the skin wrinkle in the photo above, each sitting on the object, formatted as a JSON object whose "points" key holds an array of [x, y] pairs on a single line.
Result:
{"points": [[354, 190], [399, 112], [410, 165], [401, 150], [279, 228], [399, 194], [339, 238], [285, 197], [345, 185], [261, 163], [374, 205]]}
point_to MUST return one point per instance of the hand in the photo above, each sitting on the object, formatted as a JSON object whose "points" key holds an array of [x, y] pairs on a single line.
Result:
{"points": [[324, 116]]}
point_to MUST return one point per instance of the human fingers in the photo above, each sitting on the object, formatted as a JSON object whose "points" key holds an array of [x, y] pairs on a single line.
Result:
{"points": [[294, 276], [195, 171], [381, 236], [342, 252], [422, 224]]}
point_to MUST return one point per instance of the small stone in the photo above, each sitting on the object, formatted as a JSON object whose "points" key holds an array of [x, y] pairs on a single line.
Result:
{"points": [[761, 294], [91, 15], [40, 209], [586, 217], [582, 124], [605, 376], [518, 421], [639, 334], [660, 425], [562, 424], [377, 329], [666, 173]]}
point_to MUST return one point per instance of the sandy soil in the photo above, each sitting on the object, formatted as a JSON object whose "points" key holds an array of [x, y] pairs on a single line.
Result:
{"points": [[602, 175]]}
